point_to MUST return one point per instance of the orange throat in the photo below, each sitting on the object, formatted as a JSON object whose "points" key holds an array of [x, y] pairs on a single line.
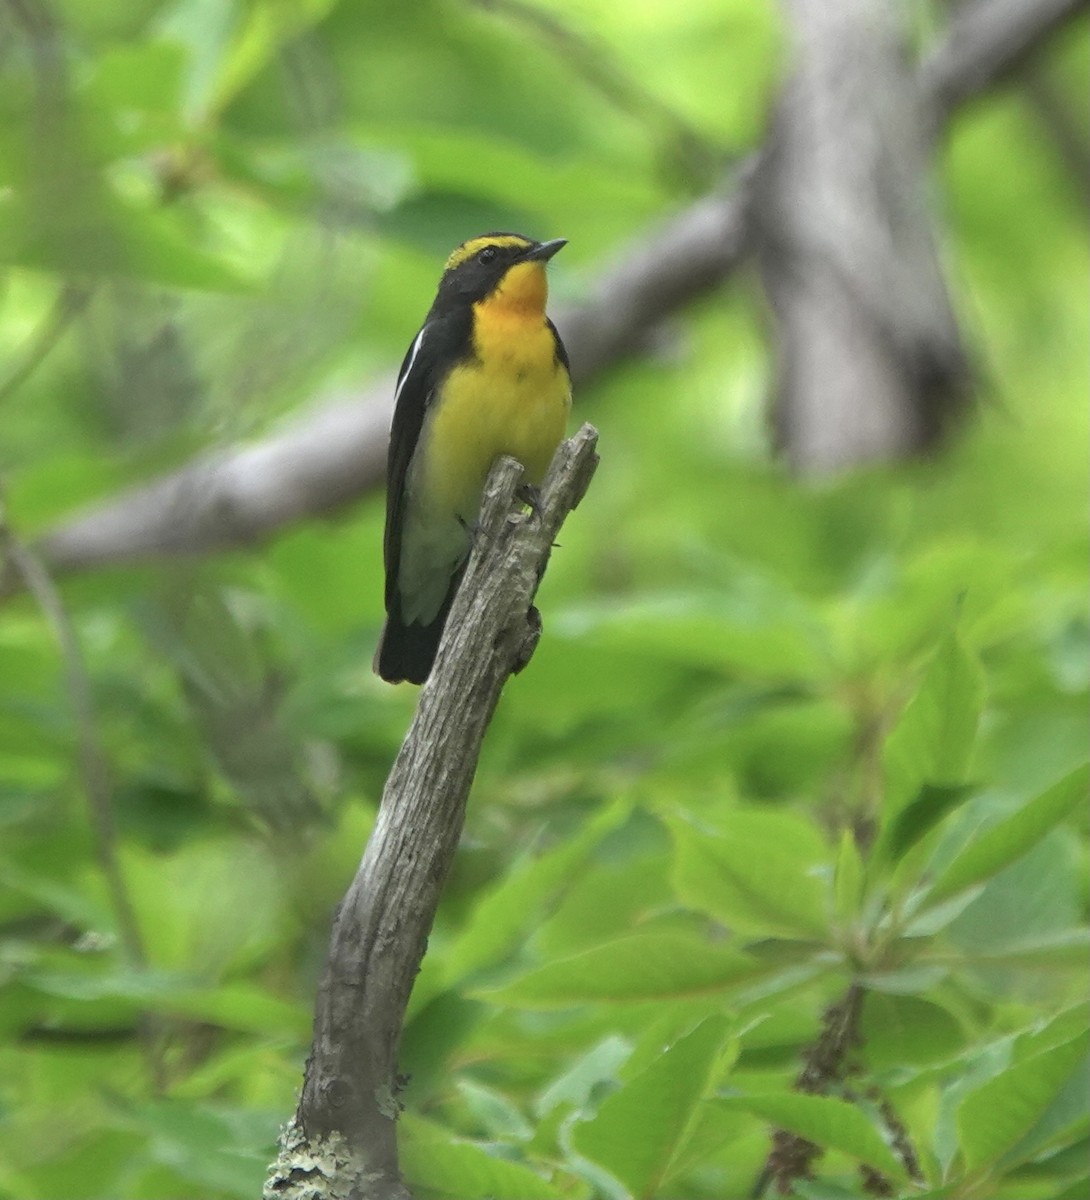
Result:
{"points": [[521, 294]]}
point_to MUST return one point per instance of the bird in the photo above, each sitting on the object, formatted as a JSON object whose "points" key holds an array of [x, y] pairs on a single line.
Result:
{"points": [[487, 375]]}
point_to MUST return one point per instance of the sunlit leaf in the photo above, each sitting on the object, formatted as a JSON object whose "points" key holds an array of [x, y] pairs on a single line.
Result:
{"points": [[759, 876], [933, 741], [643, 966], [1012, 838], [640, 1129], [932, 803], [431, 1159], [826, 1121], [504, 914], [907, 1031], [997, 1115], [599, 1065], [268, 25]]}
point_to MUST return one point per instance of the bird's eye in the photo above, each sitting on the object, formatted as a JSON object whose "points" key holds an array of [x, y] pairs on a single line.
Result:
{"points": [[487, 255]]}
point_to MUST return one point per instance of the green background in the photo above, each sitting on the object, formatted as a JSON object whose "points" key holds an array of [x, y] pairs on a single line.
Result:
{"points": [[778, 735]]}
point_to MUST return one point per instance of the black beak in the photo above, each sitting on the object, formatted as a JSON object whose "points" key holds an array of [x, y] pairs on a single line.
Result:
{"points": [[543, 251]]}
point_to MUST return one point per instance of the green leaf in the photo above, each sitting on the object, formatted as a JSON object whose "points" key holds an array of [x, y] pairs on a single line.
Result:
{"points": [[139, 78], [199, 1142], [432, 1159], [931, 804], [239, 1006], [64, 900], [759, 876], [157, 250], [182, 930], [1062, 949], [121, 239], [907, 1032], [612, 896], [1078, 1190], [505, 915], [825, 1121], [1029, 905], [432, 1036], [757, 627], [639, 1130], [458, 160], [268, 26], [1008, 841], [933, 741], [645, 966], [995, 1117], [600, 1064], [494, 1113], [710, 1131], [94, 1165], [825, 1189], [1061, 1126]]}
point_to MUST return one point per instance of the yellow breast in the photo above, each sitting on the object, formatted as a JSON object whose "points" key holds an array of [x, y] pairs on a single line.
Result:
{"points": [[512, 398]]}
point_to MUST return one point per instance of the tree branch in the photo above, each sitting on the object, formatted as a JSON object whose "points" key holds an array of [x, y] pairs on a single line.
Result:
{"points": [[987, 42], [343, 1135], [336, 452]]}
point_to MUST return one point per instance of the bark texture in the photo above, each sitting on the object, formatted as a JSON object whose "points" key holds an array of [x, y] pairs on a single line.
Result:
{"points": [[344, 1133]]}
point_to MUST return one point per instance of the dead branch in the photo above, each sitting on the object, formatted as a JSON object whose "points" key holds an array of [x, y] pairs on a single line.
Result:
{"points": [[343, 1135]]}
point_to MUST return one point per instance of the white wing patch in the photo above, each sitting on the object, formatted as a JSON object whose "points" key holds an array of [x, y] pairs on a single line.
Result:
{"points": [[410, 361], [433, 545]]}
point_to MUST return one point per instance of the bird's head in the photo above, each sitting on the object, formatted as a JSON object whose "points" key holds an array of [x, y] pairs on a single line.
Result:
{"points": [[504, 268]]}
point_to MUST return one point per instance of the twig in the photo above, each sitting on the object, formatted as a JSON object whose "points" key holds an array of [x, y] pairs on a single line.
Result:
{"points": [[344, 1130], [337, 452], [825, 1066], [828, 1065]]}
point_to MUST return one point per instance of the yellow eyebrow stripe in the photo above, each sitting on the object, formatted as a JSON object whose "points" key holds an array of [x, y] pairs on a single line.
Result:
{"points": [[467, 249]]}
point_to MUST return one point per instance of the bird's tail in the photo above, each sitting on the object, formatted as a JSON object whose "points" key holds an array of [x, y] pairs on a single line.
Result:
{"points": [[406, 651]]}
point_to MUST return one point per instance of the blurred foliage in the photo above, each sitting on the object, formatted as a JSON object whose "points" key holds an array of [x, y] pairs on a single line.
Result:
{"points": [[777, 740]]}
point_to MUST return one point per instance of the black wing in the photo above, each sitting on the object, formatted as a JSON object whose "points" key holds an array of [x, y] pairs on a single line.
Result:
{"points": [[414, 385], [561, 350]]}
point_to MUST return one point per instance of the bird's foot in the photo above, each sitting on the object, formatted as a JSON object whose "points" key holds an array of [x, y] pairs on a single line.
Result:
{"points": [[530, 495], [471, 531]]}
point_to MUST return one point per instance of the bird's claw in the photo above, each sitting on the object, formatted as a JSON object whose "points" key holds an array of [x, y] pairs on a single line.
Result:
{"points": [[530, 495]]}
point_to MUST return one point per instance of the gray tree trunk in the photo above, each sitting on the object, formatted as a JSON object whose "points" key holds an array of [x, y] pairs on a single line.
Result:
{"points": [[870, 363]]}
